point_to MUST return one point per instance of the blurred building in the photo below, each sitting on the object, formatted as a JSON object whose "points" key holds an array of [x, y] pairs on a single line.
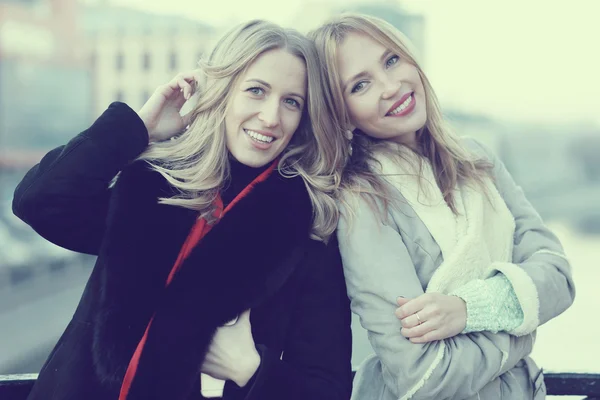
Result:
{"points": [[44, 79], [132, 52], [481, 127]]}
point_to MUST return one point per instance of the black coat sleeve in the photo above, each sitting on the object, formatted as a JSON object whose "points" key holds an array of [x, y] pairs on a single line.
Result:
{"points": [[316, 362], [65, 197]]}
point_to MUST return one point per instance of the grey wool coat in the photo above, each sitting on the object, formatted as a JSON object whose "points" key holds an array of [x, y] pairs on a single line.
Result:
{"points": [[398, 255]]}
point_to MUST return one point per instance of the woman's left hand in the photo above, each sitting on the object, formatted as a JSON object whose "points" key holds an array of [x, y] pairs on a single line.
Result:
{"points": [[232, 354], [431, 316]]}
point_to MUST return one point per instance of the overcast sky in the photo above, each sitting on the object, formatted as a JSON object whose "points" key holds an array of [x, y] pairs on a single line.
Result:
{"points": [[514, 59]]}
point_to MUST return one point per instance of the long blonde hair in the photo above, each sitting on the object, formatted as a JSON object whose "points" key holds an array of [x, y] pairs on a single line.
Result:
{"points": [[451, 162], [196, 163]]}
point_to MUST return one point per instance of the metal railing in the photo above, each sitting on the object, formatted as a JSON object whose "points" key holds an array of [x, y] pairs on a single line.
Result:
{"points": [[17, 387]]}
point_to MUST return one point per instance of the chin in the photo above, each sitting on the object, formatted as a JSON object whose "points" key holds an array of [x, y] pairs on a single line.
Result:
{"points": [[250, 160], [257, 163]]}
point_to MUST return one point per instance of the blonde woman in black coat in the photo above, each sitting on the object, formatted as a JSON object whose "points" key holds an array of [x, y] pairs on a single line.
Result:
{"points": [[211, 254]]}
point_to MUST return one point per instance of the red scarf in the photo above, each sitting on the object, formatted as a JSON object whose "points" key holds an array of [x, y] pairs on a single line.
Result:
{"points": [[198, 231]]}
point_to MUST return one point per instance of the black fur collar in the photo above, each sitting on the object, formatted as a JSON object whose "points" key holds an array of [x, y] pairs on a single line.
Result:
{"points": [[246, 257]]}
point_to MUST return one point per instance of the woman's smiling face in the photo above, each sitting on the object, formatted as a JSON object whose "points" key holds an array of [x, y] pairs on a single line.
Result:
{"points": [[266, 107], [383, 93]]}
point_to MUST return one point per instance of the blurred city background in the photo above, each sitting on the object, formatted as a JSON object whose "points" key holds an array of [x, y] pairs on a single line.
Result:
{"points": [[520, 76]]}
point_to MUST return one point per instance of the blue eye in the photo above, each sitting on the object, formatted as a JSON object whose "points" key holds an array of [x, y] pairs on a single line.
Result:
{"points": [[293, 103], [392, 60], [256, 91], [359, 86]]}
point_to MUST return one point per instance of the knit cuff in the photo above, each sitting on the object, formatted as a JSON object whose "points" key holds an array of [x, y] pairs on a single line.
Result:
{"points": [[492, 305]]}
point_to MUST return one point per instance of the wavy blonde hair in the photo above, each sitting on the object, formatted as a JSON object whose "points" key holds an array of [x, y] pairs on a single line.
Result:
{"points": [[450, 161], [196, 163]]}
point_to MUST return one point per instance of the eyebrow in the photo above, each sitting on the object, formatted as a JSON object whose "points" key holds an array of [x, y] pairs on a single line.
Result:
{"points": [[269, 87], [364, 73]]}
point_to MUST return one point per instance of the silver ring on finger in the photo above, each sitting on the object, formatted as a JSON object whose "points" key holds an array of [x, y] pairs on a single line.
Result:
{"points": [[419, 322]]}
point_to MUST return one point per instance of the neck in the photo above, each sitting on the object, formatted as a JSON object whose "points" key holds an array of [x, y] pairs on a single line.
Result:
{"points": [[240, 176], [407, 139]]}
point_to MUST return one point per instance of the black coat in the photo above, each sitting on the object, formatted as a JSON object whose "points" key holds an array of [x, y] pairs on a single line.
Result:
{"points": [[258, 256]]}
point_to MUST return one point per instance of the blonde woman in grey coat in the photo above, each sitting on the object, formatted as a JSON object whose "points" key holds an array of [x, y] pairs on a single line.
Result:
{"points": [[447, 264]]}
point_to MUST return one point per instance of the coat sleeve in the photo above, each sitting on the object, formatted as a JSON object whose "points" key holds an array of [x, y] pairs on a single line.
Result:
{"points": [[540, 273], [65, 197], [316, 362], [378, 268]]}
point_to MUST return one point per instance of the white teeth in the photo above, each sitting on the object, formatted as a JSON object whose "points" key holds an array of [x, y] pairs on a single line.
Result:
{"points": [[258, 136], [402, 106]]}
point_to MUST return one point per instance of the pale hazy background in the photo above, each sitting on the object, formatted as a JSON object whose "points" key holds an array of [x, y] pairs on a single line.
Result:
{"points": [[492, 57], [522, 76]]}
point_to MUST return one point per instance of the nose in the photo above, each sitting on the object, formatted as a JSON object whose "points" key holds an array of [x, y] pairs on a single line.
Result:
{"points": [[269, 114], [391, 88]]}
